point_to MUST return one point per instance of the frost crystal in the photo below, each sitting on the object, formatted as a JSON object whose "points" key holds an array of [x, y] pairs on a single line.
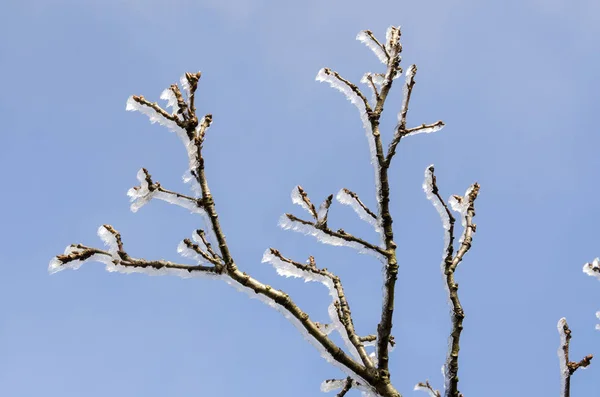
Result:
{"points": [[367, 38]]}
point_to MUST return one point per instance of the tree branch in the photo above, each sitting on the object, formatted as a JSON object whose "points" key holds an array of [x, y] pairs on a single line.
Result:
{"points": [[568, 368], [465, 206]]}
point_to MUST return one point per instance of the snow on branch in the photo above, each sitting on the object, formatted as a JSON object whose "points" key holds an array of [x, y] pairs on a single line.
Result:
{"points": [[568, 368]]}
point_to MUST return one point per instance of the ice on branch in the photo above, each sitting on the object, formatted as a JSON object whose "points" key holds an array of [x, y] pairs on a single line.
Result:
{"points": [[185, 84], [110, 238], [592, 269], [169, 96], [184, 250], [426, 387], [308, 229], [563, 331], [425, 129], [461, 205], [141, 195], [330, 385], [155, 117], [311, 274], [352, 94], [299, 197], [375, 78], [392, 36], [350, 198], [367, 37], [431, 193], [57, 265]]}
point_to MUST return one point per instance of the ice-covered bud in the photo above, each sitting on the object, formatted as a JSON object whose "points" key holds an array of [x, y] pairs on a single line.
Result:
{"points": [[592, 269]]}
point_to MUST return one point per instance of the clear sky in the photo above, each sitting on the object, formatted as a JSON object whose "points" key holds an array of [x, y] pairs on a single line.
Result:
{"points": [[515, 81]]}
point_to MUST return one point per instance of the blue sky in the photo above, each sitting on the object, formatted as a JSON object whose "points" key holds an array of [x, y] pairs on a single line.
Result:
{"points": [[515, 81]]}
